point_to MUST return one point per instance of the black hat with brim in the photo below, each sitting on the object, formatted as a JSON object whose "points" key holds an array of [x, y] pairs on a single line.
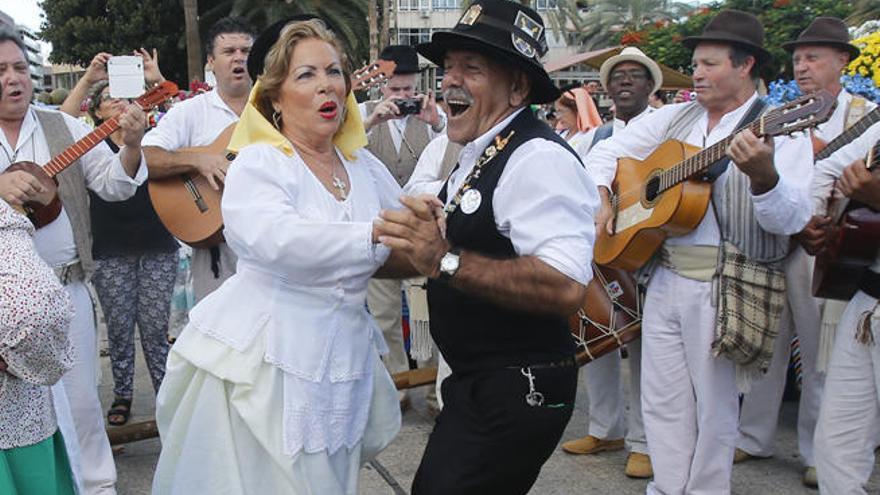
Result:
{"points": [[504, 31], [825, 31], [734, 27], [267, 38], [405, 58]]}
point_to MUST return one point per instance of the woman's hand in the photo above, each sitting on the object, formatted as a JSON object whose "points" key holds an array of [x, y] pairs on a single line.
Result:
{"points": [[97, 69]]}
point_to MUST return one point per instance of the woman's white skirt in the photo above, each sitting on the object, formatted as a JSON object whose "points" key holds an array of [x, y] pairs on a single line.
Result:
{"points": [[219, 414]]}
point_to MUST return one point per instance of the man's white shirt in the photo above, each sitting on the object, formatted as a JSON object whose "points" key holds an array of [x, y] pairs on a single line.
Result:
{"points": [[784, 210], [618, 125], [193, 122]]}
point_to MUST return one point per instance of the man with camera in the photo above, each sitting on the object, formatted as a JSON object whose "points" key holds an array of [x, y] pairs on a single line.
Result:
{"points": [[399, 127]]}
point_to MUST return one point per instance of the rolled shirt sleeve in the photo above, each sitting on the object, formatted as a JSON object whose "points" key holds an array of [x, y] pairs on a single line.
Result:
{"points": [[827, 171], [545, 203]]}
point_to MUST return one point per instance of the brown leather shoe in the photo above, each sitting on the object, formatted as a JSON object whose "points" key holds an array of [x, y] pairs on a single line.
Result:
{"points": [[591, 445], [638, 466], [740, 455]]}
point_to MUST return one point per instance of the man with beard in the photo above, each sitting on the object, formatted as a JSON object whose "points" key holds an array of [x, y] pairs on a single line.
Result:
{"points": [[197, 122], [513, 263], [629, 78]]}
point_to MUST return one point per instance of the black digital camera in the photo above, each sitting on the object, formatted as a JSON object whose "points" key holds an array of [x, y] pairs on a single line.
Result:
{"points": [[409, 106]]}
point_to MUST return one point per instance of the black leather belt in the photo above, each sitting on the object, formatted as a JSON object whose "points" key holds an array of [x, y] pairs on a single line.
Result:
{"points": [[870, 284], [568, 362]]}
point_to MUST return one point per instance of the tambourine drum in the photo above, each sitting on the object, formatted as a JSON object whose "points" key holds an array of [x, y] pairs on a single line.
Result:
{"points": [[610, 317]]}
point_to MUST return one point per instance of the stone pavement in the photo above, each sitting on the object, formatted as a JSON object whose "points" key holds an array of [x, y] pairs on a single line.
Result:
{"points": [[393, 471]]}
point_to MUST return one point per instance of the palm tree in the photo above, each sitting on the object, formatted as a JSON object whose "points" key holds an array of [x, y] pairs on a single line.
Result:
{"points": [[347, 18], [594, 24], [194, 68]]}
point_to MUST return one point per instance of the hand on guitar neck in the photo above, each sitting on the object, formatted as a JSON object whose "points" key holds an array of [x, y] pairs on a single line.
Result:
{"points": [[754, 157], [814, 237]]}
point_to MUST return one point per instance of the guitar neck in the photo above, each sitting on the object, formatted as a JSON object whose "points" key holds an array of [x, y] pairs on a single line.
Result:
{"points": [[701, 162], [76, 150], [848, 135]]}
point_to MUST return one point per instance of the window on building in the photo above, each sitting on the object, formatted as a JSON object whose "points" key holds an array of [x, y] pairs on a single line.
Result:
{"points": [[446, 4], [413, 36], [410, 5], [545, 4]]}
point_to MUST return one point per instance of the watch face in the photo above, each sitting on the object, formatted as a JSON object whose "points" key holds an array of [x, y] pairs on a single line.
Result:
{"points": [[449, 263]]}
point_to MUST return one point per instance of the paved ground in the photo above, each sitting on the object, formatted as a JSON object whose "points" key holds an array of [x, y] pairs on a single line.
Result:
{"points": [[394, 469]]}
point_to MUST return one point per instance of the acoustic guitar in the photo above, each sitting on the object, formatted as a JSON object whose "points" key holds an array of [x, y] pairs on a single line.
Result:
{"points": [[848, 135], [187, 204], [41, 215], [852, 243], [664, 195]]}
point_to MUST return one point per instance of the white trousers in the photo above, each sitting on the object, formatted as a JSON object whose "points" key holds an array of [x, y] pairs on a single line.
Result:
{"points": [[605, 392], [66, 426], [849, 419], [689, 397], [386, 306], [759, 416], [80, 383]]}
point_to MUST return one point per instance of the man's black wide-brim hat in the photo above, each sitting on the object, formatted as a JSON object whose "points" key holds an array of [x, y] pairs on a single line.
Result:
{"points": [[502, 30], [734, 27]]}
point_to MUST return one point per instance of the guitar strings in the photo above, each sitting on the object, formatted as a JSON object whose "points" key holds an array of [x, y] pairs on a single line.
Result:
{"points": [[774, 118]]}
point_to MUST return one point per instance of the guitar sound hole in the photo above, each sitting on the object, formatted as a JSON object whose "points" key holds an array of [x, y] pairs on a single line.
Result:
{"points": [[652, 188]]}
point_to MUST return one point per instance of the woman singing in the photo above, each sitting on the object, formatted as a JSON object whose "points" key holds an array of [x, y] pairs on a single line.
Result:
{"points": [[276, 385]]}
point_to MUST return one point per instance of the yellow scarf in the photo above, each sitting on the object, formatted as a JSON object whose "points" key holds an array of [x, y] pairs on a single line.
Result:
{"points": [[254, 128]]}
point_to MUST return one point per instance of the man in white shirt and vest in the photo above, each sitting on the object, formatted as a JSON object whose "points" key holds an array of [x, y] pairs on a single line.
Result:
{"points": [[629, 79], [849, 415], [398, 139], [513, 263], [819, 55], [689, 384], [198, 121], [38, 135]]}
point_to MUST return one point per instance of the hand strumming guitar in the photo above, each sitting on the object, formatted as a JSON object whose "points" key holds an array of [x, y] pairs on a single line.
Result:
{"points": [[18, 187], [213, 167], [859, 184]]}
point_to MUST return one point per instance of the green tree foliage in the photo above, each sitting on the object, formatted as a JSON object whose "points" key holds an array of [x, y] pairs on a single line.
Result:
{"points": [[783, 20], [599, 23], [79, 29]]}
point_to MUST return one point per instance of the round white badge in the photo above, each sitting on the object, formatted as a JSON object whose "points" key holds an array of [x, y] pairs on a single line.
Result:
{"points": [[471, 201]]}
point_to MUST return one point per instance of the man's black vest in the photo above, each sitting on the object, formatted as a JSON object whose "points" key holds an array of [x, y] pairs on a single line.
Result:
{"points": [[475, 334]]}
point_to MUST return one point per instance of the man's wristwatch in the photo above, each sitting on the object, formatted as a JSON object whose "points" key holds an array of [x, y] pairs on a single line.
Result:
{"points": [[449, 264]]}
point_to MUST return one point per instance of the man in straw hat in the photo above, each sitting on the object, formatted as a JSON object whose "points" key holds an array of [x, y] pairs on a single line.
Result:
{"points": [[819, 55], [513, 264], [689, 381], [630, 78]]}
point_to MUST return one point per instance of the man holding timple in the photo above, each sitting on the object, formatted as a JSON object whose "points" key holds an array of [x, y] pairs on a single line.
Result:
{"points": [[398, 140], [513, 263], [819, 55], [629, 78]]}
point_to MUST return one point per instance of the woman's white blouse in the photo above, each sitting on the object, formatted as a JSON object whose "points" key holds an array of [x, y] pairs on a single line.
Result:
{"points": [[304, 260]]}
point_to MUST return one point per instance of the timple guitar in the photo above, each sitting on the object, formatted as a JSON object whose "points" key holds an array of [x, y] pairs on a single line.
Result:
{"points": [[663, 195], [852, 244], [41, 215], [187, 204]]}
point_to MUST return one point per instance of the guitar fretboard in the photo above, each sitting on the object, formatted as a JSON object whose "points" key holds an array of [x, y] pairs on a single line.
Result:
{"points": [[81, 147], [848, 135], [700, 163]]}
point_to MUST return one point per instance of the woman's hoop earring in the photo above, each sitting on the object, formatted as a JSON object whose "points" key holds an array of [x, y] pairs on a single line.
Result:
{"points": [[275, 118]]}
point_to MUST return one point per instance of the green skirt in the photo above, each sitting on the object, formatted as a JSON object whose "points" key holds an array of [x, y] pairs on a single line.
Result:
{"points": [[37, 469]]}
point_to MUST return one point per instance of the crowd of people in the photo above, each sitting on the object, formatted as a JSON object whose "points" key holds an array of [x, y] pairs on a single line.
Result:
{"points": [[468, 208]]}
